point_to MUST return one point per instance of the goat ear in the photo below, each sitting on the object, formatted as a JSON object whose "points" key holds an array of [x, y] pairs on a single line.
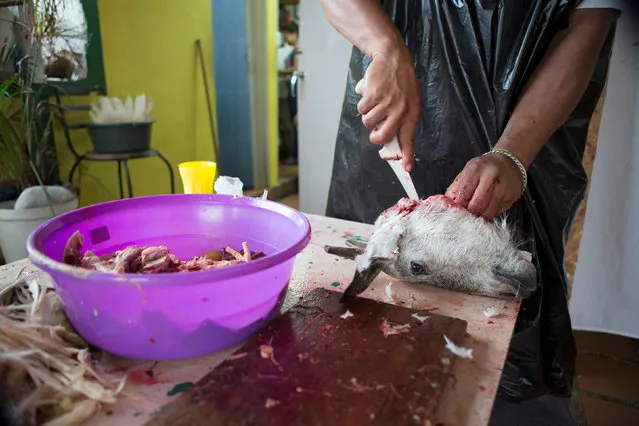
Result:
{"points": [[347, 252], [504, 275], [357, 244], [363, 279], [526, 277], [353, 249]]}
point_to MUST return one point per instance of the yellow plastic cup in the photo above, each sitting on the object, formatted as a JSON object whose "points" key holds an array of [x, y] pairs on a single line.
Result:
{"points": [[198, 176]]}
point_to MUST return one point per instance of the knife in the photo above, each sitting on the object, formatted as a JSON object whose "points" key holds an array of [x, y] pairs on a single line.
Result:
{"points": [[392, 153]]}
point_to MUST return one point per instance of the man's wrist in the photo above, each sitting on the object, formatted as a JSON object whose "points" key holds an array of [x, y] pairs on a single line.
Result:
{"points": [[509, 157], [518, 148], [390, 46]]}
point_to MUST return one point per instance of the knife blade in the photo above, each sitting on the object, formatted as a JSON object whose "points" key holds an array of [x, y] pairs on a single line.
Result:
{"points": [[392, 153]]}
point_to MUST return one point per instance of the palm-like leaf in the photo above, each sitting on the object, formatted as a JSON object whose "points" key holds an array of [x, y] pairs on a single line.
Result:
{"points": [[26, 155]]}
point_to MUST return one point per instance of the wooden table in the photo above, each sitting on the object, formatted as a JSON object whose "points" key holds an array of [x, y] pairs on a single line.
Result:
{"points": [[467, 400]]}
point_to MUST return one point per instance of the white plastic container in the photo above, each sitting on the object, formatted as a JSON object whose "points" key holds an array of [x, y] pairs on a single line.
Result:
{"points": [[16, 225]]}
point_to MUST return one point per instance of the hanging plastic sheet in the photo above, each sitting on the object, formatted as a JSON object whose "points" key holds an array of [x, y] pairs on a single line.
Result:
{"points": [[472, 59]]}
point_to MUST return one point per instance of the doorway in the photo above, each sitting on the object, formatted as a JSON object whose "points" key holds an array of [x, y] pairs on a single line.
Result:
{"points": [[288, 75], [255, 102]]}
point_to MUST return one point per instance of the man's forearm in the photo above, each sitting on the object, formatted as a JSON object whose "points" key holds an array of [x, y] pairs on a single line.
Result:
{"points": [[365, 24], [390, 93], [557, 85]]}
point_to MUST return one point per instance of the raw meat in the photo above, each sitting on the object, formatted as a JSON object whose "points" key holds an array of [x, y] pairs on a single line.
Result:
{"points": [[151, 260], [73, 250]]}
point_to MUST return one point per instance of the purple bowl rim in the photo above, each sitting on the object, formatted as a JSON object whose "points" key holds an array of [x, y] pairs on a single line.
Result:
{"points": [[41, 260]]}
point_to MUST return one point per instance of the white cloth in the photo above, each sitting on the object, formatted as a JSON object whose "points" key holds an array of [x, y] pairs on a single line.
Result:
{"points": [[605, 293]]}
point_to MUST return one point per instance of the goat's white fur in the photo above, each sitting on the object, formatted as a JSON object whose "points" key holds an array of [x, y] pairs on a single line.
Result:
{"points": [[459, 250]]}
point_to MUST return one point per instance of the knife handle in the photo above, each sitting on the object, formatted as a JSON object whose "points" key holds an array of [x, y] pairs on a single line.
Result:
{"points": [[391, 150]]}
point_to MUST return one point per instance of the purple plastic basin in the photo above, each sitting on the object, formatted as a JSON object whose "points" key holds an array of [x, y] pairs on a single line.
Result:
{"points": [[173, 315]]}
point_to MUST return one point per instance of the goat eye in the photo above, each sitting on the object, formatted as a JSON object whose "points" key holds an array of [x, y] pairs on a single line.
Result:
{"points": [[416, 268]]}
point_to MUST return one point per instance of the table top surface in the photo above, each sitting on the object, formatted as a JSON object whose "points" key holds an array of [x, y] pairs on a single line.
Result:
{"points": [[467, 400]]}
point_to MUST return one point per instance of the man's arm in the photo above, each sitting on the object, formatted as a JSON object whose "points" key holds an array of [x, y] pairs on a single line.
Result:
{"points": [[557, 85], [390, 102], [491, 184], [365, 24]]}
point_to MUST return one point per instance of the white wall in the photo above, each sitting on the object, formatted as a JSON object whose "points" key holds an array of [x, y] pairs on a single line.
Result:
{"points": [[605, 293], [324, 61]]}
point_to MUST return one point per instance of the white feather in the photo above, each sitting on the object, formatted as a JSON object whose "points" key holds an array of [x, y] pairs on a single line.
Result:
{"points": [[458, 350]]}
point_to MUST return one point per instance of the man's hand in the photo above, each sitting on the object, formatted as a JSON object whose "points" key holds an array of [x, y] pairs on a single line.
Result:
{"points": [[391, 95], [390, 102], [488, 185], [491, 184]]}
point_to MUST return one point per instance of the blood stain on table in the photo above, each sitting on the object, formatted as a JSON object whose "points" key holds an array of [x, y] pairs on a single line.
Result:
{"points": [[327, 377], [144, 378]]}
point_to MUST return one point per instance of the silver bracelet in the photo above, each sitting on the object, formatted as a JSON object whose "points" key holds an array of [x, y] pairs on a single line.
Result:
{"points": [[522, 169]]}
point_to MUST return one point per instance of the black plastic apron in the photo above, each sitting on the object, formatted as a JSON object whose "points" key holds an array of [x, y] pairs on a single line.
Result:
{"points": [[473, 58]]}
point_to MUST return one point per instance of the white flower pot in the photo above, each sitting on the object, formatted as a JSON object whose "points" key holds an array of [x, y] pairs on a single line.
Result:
{"points": [[16, 225]]}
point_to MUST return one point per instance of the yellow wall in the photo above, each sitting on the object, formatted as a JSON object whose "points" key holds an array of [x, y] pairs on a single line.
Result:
{"points": [[149, 47], [271, 29]]}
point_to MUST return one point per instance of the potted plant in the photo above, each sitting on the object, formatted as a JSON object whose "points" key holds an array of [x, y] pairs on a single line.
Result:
{"points": [[121, 127], [27, 156], [26, 164]]}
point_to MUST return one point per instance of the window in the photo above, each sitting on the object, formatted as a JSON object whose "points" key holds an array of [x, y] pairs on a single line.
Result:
{"points": [[68, 34]]}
